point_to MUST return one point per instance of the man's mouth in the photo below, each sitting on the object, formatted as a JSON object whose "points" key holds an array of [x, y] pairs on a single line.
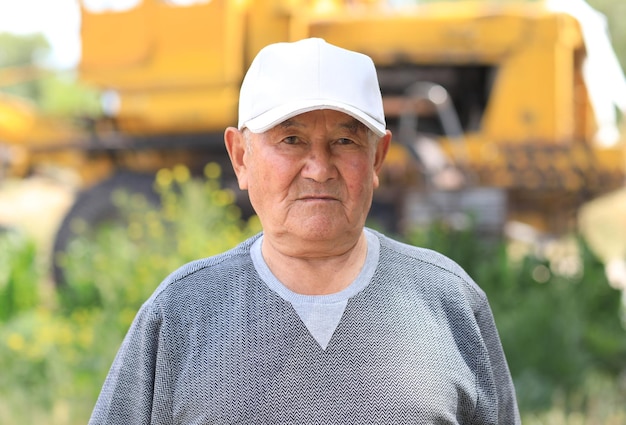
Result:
{"points": [[318, 198]]}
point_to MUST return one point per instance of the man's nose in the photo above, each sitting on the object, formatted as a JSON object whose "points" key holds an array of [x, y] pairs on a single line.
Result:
{"points": [[319, 165]]}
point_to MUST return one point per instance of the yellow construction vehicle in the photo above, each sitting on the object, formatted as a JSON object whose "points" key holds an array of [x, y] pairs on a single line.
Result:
{"points": [[491, 103]]}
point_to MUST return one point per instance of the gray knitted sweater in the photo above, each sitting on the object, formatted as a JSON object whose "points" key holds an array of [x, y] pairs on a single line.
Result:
{"points": [[215, 345]]}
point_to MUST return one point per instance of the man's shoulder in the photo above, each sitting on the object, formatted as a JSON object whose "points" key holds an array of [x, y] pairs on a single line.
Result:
{"points": [[414, 253], [441, 269], [208, 274]]}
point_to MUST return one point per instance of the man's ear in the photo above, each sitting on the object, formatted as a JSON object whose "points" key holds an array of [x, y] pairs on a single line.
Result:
{"points": [[236, 147], [379, 156]]}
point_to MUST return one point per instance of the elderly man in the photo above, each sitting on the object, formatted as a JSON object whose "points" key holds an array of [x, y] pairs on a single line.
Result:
{"points": [[317, 320]]}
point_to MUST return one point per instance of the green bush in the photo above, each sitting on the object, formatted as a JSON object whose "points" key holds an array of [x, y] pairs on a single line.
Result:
{"points": [[120, 266], [19, 274]]}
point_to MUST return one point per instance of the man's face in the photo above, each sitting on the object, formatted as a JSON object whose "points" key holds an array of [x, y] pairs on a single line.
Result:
{"points": [[311, 178]]}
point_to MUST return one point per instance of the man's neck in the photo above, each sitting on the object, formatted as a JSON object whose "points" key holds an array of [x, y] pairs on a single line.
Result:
{"points": [[316, 274]]}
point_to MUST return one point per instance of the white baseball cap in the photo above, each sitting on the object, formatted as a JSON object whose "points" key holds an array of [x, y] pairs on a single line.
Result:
{"points": [[287, 79]]}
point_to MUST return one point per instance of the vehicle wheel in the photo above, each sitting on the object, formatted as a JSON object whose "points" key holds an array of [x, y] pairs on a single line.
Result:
{"points": [[94, 206]]}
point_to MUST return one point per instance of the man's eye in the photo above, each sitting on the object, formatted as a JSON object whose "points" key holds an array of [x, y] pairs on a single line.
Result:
{"points": [[291, 140], [344, 141]]}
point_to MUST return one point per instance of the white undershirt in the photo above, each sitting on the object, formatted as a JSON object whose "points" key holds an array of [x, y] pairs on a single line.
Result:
{"points": [[319, 313]]}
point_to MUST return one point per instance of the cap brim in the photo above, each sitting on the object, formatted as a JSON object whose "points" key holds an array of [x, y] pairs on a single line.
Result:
{"points": [[275, 116]]}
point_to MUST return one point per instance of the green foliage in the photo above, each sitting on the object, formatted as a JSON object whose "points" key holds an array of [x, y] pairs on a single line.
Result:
{"points": [[118, 267], [614, 10], [56, 93], [18, 274], [48, 363], [20, 50], [62, 94]]}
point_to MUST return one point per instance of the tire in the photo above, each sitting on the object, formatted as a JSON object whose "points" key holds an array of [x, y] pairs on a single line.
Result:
{"points": [[94, 206]]}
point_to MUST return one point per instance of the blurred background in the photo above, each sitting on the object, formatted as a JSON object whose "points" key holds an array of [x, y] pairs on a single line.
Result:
{"points": [[509, 155]]}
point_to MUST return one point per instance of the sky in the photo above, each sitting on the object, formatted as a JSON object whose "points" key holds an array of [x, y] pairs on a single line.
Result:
{"points": [[57, 20]]}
